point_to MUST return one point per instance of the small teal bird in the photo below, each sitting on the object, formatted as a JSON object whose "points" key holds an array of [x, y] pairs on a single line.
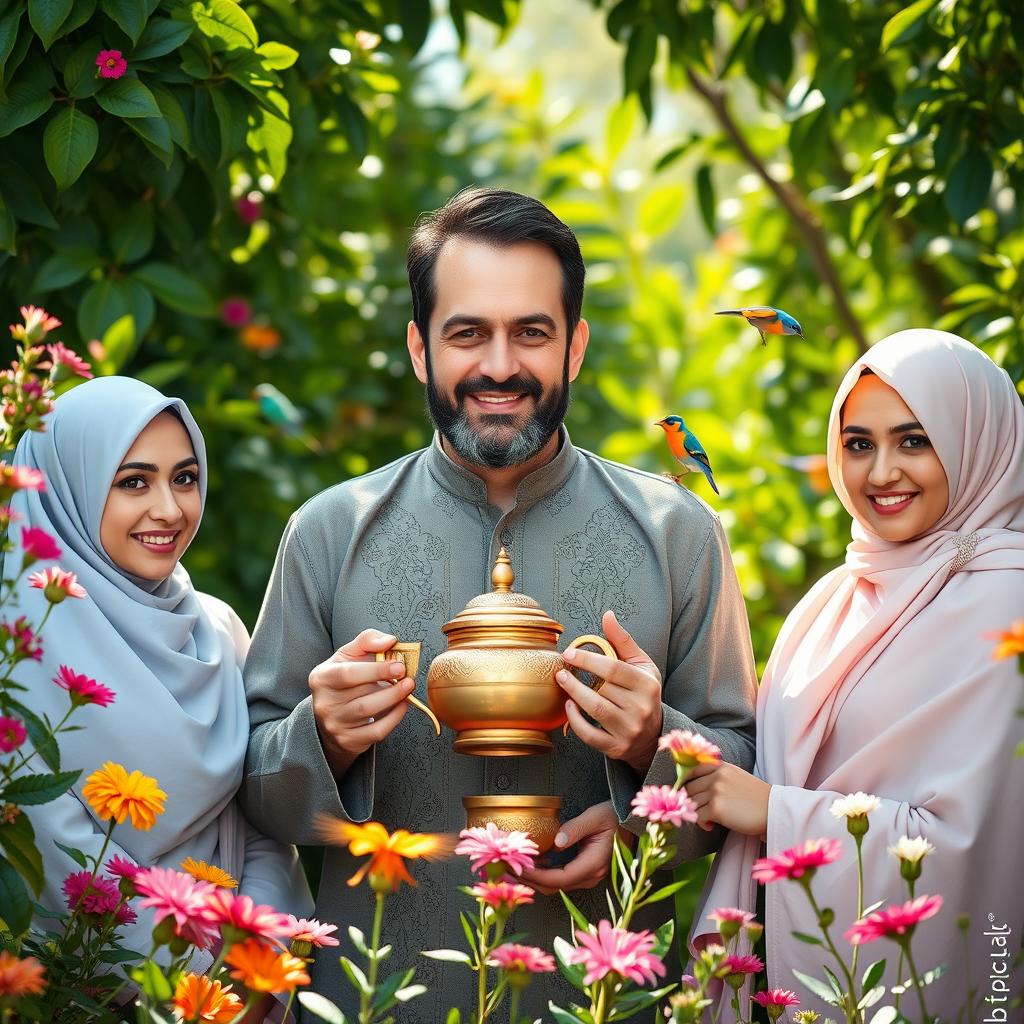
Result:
{"points": [[279, 410], [686, 449], [766, 319]]}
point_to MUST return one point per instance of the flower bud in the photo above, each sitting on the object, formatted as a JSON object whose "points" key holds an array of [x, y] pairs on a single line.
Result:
{"points": [[163, 933]]}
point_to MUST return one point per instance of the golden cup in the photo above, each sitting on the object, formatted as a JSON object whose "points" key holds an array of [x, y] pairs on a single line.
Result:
{"points": [[537, 816]]}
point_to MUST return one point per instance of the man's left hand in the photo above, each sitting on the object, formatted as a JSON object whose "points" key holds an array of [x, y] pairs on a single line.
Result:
{"points": [[594, 830], [628, 706]]}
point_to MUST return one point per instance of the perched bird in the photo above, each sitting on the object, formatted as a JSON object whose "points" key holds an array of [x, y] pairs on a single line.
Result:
{"points": [[766, 318], [686, 449], [279, 410]]}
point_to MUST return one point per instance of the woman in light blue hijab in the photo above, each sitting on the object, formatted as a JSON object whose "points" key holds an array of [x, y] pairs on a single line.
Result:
{"points": [[126, 473]]}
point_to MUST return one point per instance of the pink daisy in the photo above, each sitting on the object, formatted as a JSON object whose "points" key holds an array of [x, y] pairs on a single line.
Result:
{"points": [[617, 951], [111, 64], [797, 861], [122, 867], [26, 643], [663, 803], [56, 584], [180, 897], [525, 959], [513, 851], [38, 544], [311, 931], [82, 689], [21, 478], [225, 909], [62, 356], [94, 894], [735, 964], [689, 748], [504, 895], [776, 997], [894, 922], [12, 734]]}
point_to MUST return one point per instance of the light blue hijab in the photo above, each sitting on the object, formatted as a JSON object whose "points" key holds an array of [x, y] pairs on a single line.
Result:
{"points": [[167, 652]]}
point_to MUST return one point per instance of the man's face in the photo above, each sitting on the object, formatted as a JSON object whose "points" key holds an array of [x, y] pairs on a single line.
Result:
{"points": [[499, 364]]}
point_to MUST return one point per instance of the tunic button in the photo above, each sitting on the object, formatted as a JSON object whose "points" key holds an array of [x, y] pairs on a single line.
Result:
{"points": [[503, 781]]}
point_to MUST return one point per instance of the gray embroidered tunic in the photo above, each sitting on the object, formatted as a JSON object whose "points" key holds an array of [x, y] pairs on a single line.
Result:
{"points": [[403, 549]]}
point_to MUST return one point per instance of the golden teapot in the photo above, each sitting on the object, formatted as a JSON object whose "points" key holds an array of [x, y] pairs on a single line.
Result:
{"points": [[495, 685]]}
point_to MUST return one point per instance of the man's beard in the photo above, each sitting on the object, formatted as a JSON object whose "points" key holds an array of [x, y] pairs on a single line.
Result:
{"points": [[490, 444]]}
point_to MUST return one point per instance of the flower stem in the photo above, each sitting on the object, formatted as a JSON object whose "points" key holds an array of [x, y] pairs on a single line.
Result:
{"points": [[601, 1006], [366, 998], [860, 898], [513, 1005], [925, 1016], [481, 978], [850, 1009]]}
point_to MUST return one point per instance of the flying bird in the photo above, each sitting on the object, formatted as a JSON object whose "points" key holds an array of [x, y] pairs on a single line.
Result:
{"points": [[686, 449], [279, 411], [766, 319]]}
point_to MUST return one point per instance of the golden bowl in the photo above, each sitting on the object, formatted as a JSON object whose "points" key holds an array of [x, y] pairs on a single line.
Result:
{"points": [[537, 816]]}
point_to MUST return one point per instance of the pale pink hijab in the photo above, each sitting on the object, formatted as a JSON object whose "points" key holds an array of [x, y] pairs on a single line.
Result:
{"points": [[882, 680]]}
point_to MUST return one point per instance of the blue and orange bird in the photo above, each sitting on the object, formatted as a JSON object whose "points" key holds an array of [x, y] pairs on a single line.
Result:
{"points": [[686, 449], [766, 319]]}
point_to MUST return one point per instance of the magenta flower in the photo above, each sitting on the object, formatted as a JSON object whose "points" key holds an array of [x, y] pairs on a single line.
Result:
{"points": [[21, 478], [663, 803], [504, 895], [524, 959], [56, 584], [489, 845], [249, 208], [94, 894], [62, 356], [38, 544], [36, 326], [111, 64], [311, 931], [730, 920], [179, 897], [26, 643], [12, 734], [82, 689], [617, 951], [894, 922], [735, 964], [235, 312], [689, 748], [775, 999], [798, 861], [239, 917], [122, 867]]}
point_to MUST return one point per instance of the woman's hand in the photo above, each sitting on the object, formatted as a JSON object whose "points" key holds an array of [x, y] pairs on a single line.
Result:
{"points": [[729, 796]]}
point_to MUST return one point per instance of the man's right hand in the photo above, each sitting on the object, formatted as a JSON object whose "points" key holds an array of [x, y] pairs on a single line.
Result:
{"points": [[357, 701]]}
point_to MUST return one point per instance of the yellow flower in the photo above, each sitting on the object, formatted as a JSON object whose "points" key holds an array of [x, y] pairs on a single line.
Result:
{"points": [[388, 852], [1011, 641], [113, 793], [263, 969], [197, 998], [203, 872]]}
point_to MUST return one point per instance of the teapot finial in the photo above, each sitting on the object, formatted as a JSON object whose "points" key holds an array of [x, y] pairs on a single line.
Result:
{"points": [[502, 576]]}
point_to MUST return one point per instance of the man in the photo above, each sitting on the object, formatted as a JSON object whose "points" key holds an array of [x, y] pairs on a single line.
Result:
{"points": [[496, 337]]}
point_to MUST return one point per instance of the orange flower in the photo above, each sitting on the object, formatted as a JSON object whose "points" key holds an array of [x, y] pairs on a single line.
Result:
{"points": [[259, 338], [203, 872], [113, 793], [1011, 641], [20, 977], [198, 998], [388, 853], [263, 969]]}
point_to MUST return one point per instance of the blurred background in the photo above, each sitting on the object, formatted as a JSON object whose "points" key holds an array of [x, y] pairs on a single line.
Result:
{"points": [[228, 220]]}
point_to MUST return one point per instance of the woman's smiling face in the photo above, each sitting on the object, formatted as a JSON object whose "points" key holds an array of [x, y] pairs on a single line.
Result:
{"points": [[889, 468]]}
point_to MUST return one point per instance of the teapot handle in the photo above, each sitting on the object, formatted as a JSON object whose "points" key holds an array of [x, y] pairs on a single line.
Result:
{"points": [[400, 655], [606, 649]]}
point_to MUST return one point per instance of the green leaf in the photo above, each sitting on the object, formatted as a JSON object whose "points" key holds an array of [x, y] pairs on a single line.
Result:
{"points": [[414, 16], [22, 44], [573, 973], [358, 939], [104, 302], [28, 98], [819, 988], [17, 909], [175, 288], [130, 16], [46, 18], [640, 54], [127, 97], [574, 912], [901, 22], [69, 144], [225, 22], [131, 236], [81, 12], [18, 841], [277, 56], [666, 890], [321, 1007], [811, 940], [38, 732], [660, 209], [454, 1017], [119, 343], [452, 956], [8, 228], [969, 184], [355, 975], [561, 1016], [80, 77], [619, 127], [161, 35], [706, 197], [157, 133], [150, 978], [174, 116], [76, 855], [272, 139], [28, 790], [232, 117], [9, 31]]}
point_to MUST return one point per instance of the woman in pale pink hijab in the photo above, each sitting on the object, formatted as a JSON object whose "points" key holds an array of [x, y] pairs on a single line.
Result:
{"points": [[883, 681]]}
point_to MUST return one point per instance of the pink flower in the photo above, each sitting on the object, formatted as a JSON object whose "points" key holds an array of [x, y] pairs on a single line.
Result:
{"points": [[776, 997], [730, 920], [734, 964], [241, 917], [37, 323], [689, 748], [311, 931], [525, 959], [56, 584], [82, 689], [111, 64], [504, 895], [95, 894], [21, 478], [663, 803], [797, 861], [894, 922], [122, 867], [12, 734], [617, 951], [235, 312], [511, 851], [175, 895], [26, 643], [38, 544], [249, 207], [61, 355]]}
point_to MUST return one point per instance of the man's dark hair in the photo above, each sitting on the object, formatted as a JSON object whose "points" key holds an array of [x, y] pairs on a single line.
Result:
{"points": [[498, 217]]}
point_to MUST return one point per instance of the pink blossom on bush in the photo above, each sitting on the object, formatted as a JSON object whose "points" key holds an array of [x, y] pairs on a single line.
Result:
{"points": [[179, 897], [689, 748], [617, 951], [56, 584], [21, 478], [61, 355], [664, 804], [894, 922], [504, 894], [82, 689], [26, 643], [38, 544], [249, 208], [94, 894], [527, 959], [122, 867], [36, 326], [240, 917], [235, 311], [797, 861], [311, 931], [111, 64], [735, 964], [12, 734], [490, 845]]}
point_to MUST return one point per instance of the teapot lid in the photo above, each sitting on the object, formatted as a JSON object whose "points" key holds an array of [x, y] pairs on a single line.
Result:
{"points": [[502, 608]]}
